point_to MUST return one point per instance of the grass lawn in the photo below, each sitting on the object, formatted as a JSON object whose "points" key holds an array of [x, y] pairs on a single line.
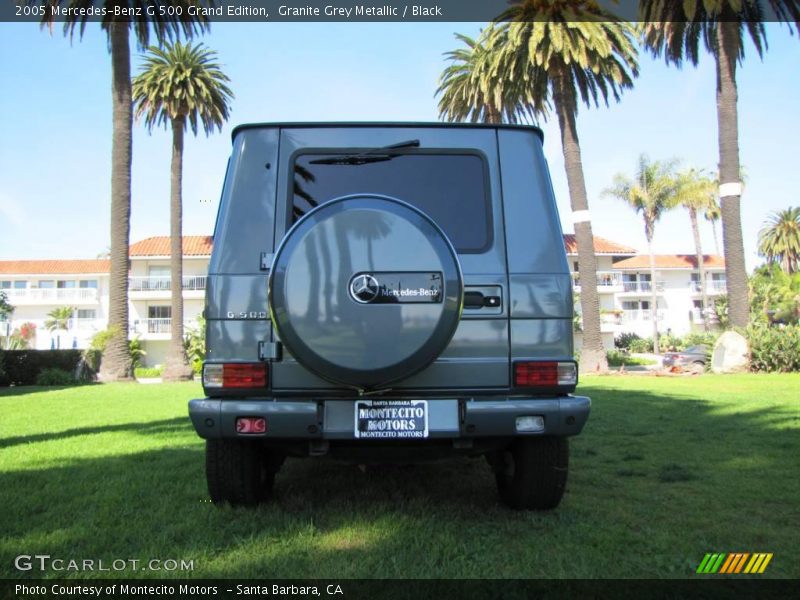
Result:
{"points": [[666, 470]]}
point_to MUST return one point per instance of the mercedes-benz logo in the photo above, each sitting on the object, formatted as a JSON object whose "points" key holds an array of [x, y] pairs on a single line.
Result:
{"points": [[364, 288]]}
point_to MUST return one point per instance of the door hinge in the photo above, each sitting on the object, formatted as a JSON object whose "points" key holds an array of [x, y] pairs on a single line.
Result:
{"points": [[266, 260], [270, 351]]}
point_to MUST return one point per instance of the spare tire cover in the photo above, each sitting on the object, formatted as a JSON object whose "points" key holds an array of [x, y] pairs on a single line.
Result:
{"points": [[365, 290]]}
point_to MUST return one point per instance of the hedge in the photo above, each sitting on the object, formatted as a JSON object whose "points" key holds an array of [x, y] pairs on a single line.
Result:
{"points": [[22, 367]]}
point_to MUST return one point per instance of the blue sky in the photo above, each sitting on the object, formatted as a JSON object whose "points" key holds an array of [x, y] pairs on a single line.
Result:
{"points": [[55, 119]]}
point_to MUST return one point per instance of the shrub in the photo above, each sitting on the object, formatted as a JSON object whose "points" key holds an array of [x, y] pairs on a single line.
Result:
{"points": [[55, 377], [147, 372], [137, 353], [22, 367], [641, 345], [670, 343], [624, 340], [709, 338], [617, 358], [93, 355], [774, 348]]}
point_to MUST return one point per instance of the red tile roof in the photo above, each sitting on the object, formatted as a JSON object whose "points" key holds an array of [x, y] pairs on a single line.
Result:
{"points": [[193, 245], [601, 246], [671, 261], [53, 267]]}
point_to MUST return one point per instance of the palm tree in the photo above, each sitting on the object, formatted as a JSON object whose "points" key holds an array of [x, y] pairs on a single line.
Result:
{"points": [[470, 92], [712, 215], [650, 193], [779, 239], [560, 53], [676, 29], [182, 85], [59, 321], [695, 192], [117, 363]]}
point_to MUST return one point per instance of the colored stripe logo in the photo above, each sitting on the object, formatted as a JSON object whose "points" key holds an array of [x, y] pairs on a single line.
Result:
{"points": [[734, 563]]}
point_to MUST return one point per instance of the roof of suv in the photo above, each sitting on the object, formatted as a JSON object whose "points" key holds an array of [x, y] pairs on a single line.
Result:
{"points": [[307, 125]]}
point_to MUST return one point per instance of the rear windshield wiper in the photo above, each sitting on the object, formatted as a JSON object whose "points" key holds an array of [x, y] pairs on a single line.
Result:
{"points": [[381, 154]]}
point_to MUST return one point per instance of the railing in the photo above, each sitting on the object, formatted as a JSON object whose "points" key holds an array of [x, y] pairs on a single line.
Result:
{"points": [[51, 294], [718, 286], [641, 286], [605, 279], [164, 284], [143, 326], [640, 315], [611, 318]]}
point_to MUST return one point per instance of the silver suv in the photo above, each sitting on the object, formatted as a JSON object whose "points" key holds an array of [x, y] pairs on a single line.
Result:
{"points": [[383, 292]]}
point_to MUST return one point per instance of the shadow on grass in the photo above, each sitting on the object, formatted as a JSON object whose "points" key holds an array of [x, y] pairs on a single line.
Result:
{"points": [[23, 390], [655, 482], [146, 428]]}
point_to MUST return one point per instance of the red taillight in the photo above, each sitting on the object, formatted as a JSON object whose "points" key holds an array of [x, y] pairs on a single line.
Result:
{"points": [[235, 375], [545, 374], [251, 425], [244, 375], [532, 374]]}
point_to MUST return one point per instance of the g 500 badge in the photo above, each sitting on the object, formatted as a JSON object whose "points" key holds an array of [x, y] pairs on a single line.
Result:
{"points": [[396, 287], [253, 314]]}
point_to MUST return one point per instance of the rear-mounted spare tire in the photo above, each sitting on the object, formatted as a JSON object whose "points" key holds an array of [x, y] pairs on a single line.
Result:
{"points": [[365, 291]]}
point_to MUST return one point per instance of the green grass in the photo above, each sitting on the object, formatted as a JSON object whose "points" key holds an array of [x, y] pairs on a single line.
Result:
{"points": [[666, 470]]}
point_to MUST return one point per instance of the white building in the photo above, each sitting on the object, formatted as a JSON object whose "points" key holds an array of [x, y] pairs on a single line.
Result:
{"points": [[625, 288], [36, 287]]}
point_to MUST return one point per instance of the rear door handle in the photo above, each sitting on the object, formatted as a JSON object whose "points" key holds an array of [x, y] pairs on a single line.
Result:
{"points": [[478, 300]]}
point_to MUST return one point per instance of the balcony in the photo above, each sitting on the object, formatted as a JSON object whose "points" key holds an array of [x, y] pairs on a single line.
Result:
{"points": [[151, 329], [640, 316], [641, 287], [607, 282], [714, 286], [56, 296], [160, 287]]}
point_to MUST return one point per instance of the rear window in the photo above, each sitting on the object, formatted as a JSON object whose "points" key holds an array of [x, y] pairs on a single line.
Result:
{"points": [[451, 188]]}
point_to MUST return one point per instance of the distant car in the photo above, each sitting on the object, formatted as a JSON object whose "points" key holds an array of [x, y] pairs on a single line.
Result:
{"points": [[694, 359]]}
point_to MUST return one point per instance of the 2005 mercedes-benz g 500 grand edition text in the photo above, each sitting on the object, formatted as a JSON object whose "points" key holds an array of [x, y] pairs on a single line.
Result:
{"points": [[388, 292]]}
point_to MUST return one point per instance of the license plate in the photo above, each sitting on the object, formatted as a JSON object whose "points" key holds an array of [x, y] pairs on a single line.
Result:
{"points": [[391, 419]]}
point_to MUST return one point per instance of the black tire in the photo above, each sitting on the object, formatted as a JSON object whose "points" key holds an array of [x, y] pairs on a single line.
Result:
{"points": [[697, 367], [240, 473], [531, 474]]}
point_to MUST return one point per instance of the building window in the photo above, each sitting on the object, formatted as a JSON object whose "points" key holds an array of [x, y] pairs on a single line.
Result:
{"points": [[65, 284], [47, 284], [159, 312], [575, 266], [158, 319], [88, 284], [87, 313]]}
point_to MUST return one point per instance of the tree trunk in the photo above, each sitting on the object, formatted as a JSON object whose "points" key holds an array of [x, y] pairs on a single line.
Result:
{"points": [[735, 273], [177, 366], [716, 239], [701, 268], [593, 355], [653, 293], [116, 364]]}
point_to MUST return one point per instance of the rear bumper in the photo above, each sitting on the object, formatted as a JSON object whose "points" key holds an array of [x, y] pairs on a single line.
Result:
{"points": [[312, 419]]}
